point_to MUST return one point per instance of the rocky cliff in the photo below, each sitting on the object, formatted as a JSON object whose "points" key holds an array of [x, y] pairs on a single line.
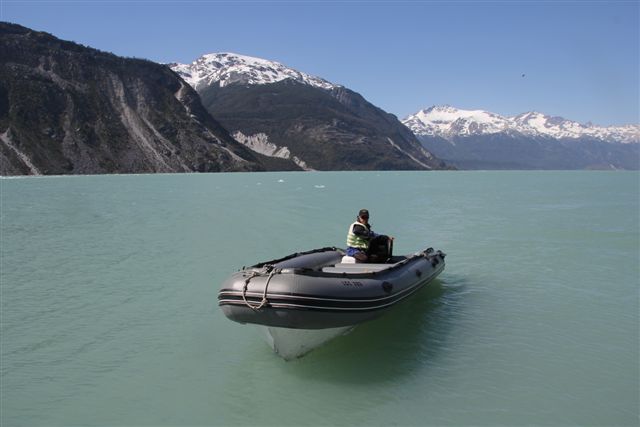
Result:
{"points": [[69, 109]]}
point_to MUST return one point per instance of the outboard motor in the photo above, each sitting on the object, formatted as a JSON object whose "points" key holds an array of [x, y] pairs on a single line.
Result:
{"points": [[380, 249]]}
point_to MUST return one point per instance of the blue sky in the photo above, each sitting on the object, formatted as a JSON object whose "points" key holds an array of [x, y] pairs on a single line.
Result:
{"points": [[580, 59]]}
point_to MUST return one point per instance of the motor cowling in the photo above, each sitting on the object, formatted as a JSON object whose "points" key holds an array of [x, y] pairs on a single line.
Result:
{"points": [[380, 249]]}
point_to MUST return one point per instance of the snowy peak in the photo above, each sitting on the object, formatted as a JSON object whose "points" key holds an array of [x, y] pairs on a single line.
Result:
{"points": [[448, 122], [533, 123], [553, 126], [230, 68]]}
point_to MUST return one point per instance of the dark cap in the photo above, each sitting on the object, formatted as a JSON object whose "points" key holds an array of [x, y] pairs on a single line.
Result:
{"points": [[363, 213]]}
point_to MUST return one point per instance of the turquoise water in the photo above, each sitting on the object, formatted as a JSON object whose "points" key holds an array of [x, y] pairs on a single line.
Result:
{"points": [[109, 316]]}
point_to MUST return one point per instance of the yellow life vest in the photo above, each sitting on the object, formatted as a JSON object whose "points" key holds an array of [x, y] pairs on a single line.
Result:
{"points": [[356, 241]]}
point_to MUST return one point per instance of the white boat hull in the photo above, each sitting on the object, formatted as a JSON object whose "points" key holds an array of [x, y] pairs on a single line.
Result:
{"points": [[293, 343]]}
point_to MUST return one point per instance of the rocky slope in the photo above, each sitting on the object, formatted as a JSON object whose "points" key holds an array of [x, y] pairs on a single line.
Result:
{"points": [[479, 139], [284, 113], [69, 109]]}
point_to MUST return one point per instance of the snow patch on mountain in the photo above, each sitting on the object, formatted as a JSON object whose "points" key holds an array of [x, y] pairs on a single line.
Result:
{"points": [[230, 68], [447, 122]]}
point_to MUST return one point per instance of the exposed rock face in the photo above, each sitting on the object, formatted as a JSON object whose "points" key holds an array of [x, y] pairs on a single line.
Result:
{"points": [[69, 109], [260, 144]]}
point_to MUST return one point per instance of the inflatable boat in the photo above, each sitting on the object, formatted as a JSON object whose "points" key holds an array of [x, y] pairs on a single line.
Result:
{"points": [[307, 298]]}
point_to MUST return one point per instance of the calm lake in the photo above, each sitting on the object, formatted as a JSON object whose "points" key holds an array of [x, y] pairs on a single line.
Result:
{"points": [[109, 314]]}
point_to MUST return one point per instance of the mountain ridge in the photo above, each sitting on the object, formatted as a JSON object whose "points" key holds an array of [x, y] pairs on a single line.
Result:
{"points": [[477, 139], [317, 124], [446, 121], [231, 68]]}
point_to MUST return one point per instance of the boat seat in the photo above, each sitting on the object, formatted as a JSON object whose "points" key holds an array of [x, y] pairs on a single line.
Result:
{"points": [[355, 268]]}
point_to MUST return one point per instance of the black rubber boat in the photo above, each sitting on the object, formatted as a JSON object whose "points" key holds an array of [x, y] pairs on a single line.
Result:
{"points": [[322, 291]]}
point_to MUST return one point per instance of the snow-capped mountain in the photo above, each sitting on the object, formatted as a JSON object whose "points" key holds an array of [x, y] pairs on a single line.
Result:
{"points": [[294, 117], [447, 122], [477, 139], [231, 68]]}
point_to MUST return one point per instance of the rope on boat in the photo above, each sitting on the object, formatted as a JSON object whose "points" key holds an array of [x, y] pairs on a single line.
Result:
{"points": [[264, 301]]}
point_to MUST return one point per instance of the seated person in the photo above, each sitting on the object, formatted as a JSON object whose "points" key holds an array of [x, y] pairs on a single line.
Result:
{"points": [[360, 238]]}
